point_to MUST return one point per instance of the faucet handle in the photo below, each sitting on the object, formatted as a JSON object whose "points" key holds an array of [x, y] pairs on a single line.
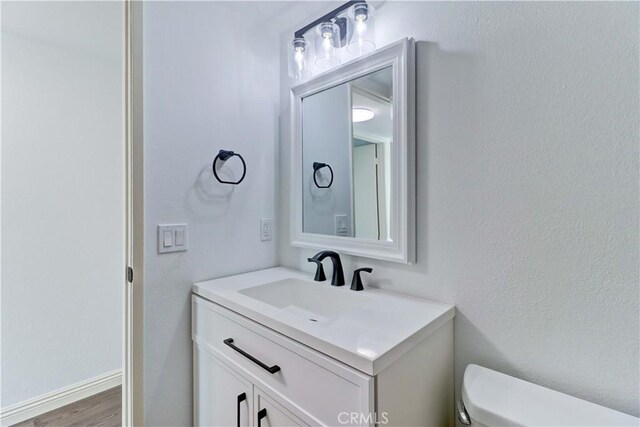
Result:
{"points": [[356, 282], [319, 277]]}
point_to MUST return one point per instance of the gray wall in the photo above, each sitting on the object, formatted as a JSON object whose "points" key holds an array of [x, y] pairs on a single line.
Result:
{"points": [[527, 187], [210, 82], [62, 196], [326, 132]]}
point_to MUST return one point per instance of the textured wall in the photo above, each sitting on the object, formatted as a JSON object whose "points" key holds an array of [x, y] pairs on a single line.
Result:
{"points": [[210, 82], [527, 187]]}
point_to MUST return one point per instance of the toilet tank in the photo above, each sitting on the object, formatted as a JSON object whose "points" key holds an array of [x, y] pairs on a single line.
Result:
{"points": [[494, 399]]}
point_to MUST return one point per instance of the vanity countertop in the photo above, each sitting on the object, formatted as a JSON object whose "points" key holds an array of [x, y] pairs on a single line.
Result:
{"points": [[367, 330]]}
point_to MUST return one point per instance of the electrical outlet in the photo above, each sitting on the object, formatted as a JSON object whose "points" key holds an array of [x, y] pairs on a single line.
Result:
{"points": [[266, 229]]}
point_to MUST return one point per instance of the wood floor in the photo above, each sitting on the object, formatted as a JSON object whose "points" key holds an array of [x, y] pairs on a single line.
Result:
{"points": [[102, 410]]}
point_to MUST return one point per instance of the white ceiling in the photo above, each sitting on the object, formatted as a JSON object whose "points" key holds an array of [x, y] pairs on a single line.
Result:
{"points": [[372, 92], [380, 128], [90, 26], [96, 26]]}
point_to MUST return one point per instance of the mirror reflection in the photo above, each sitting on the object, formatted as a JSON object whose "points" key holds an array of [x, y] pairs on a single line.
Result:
{"points": [[347, 132]]}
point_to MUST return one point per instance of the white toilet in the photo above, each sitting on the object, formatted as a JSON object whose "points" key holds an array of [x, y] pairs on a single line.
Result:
{"points": [[492, 399]]}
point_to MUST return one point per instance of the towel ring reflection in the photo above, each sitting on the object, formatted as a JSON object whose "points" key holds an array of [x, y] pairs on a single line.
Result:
{"points": [[225, 155], [316, 167]]}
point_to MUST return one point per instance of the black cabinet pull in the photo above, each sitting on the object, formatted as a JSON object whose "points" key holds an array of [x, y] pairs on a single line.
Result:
{"points": [[262, 413], [241, 398], [272, 369]]}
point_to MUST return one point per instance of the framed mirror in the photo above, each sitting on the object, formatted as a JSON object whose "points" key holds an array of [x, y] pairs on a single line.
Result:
{"points": [[353, 157]]}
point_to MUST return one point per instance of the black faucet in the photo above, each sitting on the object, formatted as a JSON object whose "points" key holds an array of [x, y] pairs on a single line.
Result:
{"points": [[356, 283], [337, 279]]}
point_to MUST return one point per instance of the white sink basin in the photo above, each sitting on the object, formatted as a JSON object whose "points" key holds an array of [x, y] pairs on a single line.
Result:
{"points": [[315, 302], [367, 330]]}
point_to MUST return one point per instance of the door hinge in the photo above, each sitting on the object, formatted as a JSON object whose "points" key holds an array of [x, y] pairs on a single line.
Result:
{"points": [[129, 274]]}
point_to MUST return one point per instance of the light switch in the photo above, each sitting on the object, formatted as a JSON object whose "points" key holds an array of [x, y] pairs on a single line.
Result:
{"points": [[172, 238], [179, 237], [167, 238]]}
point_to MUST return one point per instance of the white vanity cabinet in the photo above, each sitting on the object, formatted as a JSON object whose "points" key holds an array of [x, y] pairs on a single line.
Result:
{"points": [[224, 397], [273, 414], [250, 369], [311, 388]]}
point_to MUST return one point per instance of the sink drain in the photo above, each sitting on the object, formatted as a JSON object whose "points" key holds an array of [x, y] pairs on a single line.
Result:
{"points": [[313, 320]]}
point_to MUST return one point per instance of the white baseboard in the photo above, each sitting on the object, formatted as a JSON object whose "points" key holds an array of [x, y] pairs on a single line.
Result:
{"points": [[48, 402]]}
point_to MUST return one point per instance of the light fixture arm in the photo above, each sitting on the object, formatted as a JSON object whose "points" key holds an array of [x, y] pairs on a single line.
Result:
{"points": [[330, 17]]}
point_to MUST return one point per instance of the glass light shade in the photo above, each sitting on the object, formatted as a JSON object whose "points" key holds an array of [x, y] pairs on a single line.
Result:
{"points": [[298, 53], [327, 43], [362, 29]]}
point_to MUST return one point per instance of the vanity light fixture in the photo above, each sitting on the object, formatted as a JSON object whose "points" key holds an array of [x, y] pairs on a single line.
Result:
{"points": [[327, 38], [361, 39], [350, 26], [361, 115], [298, 57]]}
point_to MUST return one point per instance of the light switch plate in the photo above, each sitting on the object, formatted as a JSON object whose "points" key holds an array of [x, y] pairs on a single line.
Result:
{"points": [[341, 225], [172, 238]]}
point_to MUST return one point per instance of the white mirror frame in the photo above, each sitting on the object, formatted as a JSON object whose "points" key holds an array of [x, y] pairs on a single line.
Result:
{"points": [[401, 56]]}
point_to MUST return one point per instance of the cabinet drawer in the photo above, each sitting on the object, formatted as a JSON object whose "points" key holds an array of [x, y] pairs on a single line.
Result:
{"points": [[316, 386]]}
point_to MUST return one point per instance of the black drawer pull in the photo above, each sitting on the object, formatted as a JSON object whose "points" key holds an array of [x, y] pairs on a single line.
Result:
{"points": [[241, 398], [262, 413], [272, 369]]}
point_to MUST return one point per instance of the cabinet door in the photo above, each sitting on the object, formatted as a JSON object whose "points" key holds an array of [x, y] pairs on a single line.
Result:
{"points": [[269, 413], [221, 396]]}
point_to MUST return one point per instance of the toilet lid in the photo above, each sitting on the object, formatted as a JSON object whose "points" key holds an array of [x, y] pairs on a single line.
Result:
{"points": [[496, 399]]}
